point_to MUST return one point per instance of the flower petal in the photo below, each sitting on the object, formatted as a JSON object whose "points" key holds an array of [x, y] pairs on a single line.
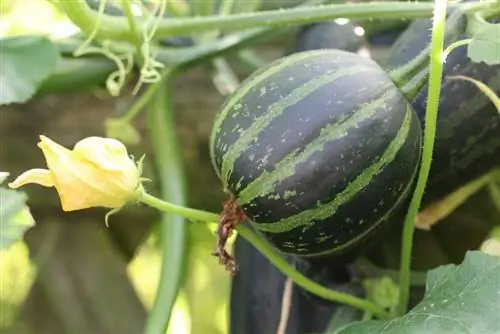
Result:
{"points": [[106, 153], [50, 147], [39, 176], [97, 172]]}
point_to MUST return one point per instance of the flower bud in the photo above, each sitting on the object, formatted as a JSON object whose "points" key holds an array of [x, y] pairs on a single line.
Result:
{"points": [[98, 172]]}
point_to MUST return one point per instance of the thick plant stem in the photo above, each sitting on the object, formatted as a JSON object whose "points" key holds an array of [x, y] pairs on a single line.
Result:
{"points": [[127, 9], [191, 214], [135, 34], [271, 254], [117, 28], [335, 296], [436, 73], [173, 228]]}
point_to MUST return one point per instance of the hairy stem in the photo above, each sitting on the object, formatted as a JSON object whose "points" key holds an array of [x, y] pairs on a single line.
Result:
{"points": [[192, 214], [335, 296], [127, 9], [117, 27], [270, 253], [436, 73]]}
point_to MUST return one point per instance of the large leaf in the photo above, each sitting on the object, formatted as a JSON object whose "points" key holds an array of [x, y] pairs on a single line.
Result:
{"points": [[26, 61], [485, 44], [459, 299], [15, 217]]}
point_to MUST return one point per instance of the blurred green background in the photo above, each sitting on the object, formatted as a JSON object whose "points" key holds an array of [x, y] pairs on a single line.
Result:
{"points": [[200, 308], [202, 305], [72, 274]]}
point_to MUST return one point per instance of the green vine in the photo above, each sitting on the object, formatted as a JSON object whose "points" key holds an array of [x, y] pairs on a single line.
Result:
{"points": [[434, 90], [170, 171], [117, 28], [268, 251], [116, 80]]}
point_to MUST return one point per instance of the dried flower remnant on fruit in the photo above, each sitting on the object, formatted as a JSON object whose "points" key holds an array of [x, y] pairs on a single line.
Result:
{"points": [[231, 215], [98, 172]]}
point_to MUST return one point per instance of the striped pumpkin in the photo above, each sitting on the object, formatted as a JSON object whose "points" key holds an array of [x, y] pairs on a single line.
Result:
{"points": [[318, 148], [468, 126], [327, 35]]}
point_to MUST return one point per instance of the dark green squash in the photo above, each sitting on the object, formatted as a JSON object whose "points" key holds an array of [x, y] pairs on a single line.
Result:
{"points": [[319, 149], [327, 35], [467, 141], [256, 292]]}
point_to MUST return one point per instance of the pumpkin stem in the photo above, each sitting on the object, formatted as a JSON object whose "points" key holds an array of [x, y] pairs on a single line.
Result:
{"points": [[232, 214]]}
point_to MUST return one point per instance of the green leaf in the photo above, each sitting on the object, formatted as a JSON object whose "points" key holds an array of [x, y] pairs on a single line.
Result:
{"points": [[485, 43], [459, 299], [15, 217], [3, 176], [343, 315], [26, 62]]}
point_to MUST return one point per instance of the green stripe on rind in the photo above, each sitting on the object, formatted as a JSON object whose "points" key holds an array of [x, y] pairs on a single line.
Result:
{"points": [[266, 182], [362, 235], [474, 104], [465, 160], [247, 86], [306, 218], [476, 152], [277, 108]]}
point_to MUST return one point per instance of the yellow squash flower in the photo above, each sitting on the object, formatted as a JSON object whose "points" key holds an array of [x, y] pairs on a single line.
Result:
{"points": [[98, 172]]}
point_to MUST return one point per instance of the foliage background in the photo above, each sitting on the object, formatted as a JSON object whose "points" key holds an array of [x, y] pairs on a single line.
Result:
{"points": [[203, 304], [97, 273]]}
